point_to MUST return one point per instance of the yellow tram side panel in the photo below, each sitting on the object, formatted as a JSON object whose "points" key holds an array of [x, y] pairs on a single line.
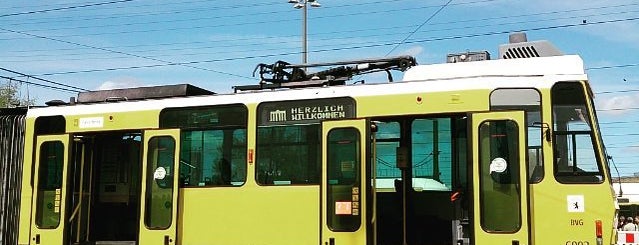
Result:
{"points": [[110, 121], [551, 221], [610, 204], [421, 103], [293, 210], [27, 190], [130, 120], [249, 214]]}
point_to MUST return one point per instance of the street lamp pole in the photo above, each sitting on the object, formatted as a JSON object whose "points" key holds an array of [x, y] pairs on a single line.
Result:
{"points": [[303, 4], [304, 27]]}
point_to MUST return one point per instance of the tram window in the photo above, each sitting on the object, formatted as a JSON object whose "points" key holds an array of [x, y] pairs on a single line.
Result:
{"points": [[50, 125], [432, 153], [213, 157], [159, 188], [574, 152], [49, 184], [212, 144], [431, 142], [387, 141], [528, 100], [343, 175], [288, 155], [499, 191], [288, 148], [460, 158], [204, 117]]}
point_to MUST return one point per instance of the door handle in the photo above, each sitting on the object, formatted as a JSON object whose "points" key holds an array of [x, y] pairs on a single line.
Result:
{"points": [[167, 240], [331, 241], [515, 242], [36, 239]]}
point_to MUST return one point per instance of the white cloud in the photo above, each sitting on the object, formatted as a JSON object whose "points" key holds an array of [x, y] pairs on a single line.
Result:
{"points": [[120, 83], [616, 105]]}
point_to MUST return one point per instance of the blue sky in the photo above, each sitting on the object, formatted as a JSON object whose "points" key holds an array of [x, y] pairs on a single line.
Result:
{"points": [[96, 47]]}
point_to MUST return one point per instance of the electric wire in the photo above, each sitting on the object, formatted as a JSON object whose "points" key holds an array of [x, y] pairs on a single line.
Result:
{"points": [[40, 85], [42, 79], [618, 91], [377, 29], [418, 27], [65, 8], [619, 109], [191, 27], [612, 66], [262, 43], [618, 122], [209, 9], [124, 53], [376, 45]]}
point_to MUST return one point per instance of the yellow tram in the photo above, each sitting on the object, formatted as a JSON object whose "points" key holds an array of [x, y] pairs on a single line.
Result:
{"points": [[504, 151]]}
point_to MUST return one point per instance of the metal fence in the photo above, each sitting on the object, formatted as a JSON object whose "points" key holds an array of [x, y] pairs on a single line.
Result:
{"points": [[11, 156]]}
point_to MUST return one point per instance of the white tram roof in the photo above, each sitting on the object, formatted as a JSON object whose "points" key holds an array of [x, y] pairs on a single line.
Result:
{"points": [[540, 72], [538, 66]]}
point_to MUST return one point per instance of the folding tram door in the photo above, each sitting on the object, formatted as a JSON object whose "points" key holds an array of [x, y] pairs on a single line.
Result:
{"points": [[500, 188], [476, 192], [160, 174], [50, 189], [93, 189], [344, 186]]}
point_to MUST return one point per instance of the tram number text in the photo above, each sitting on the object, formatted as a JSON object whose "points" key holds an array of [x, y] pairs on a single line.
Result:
{"points": [[576, 222], [577, 243]]}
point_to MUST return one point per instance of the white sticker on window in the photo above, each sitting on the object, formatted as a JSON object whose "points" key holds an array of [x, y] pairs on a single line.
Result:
{"points": [[498, 165], [160, 173], [576, 204]]}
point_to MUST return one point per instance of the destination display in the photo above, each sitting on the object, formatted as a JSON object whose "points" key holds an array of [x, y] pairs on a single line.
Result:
{"points": [[305, 111]]}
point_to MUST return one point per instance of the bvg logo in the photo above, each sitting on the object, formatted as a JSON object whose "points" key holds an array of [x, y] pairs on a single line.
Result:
{"points": [[277, 116]]}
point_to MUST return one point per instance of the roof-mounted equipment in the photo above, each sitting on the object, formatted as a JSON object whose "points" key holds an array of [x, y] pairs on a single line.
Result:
{"points": [[285, 75], [141, 93], [520, 47], [468, 56]]}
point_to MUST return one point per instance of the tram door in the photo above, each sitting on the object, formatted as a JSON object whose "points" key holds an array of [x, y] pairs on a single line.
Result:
{"points": [[500, 178], [158, 208], [344, 189], [50, 183]]}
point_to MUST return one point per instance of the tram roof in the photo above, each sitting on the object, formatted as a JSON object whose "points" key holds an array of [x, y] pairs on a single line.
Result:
{"points": [[540, 72], [538, 66]]}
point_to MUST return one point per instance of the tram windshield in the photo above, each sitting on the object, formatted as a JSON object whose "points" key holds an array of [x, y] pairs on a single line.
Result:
{"points": [[575, 158]]}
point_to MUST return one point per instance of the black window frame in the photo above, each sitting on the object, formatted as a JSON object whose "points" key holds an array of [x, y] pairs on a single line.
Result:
{"points": [[537, 174], [344, 222], [294, 113], [239, 123], [576, 177], [511, 181]]}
